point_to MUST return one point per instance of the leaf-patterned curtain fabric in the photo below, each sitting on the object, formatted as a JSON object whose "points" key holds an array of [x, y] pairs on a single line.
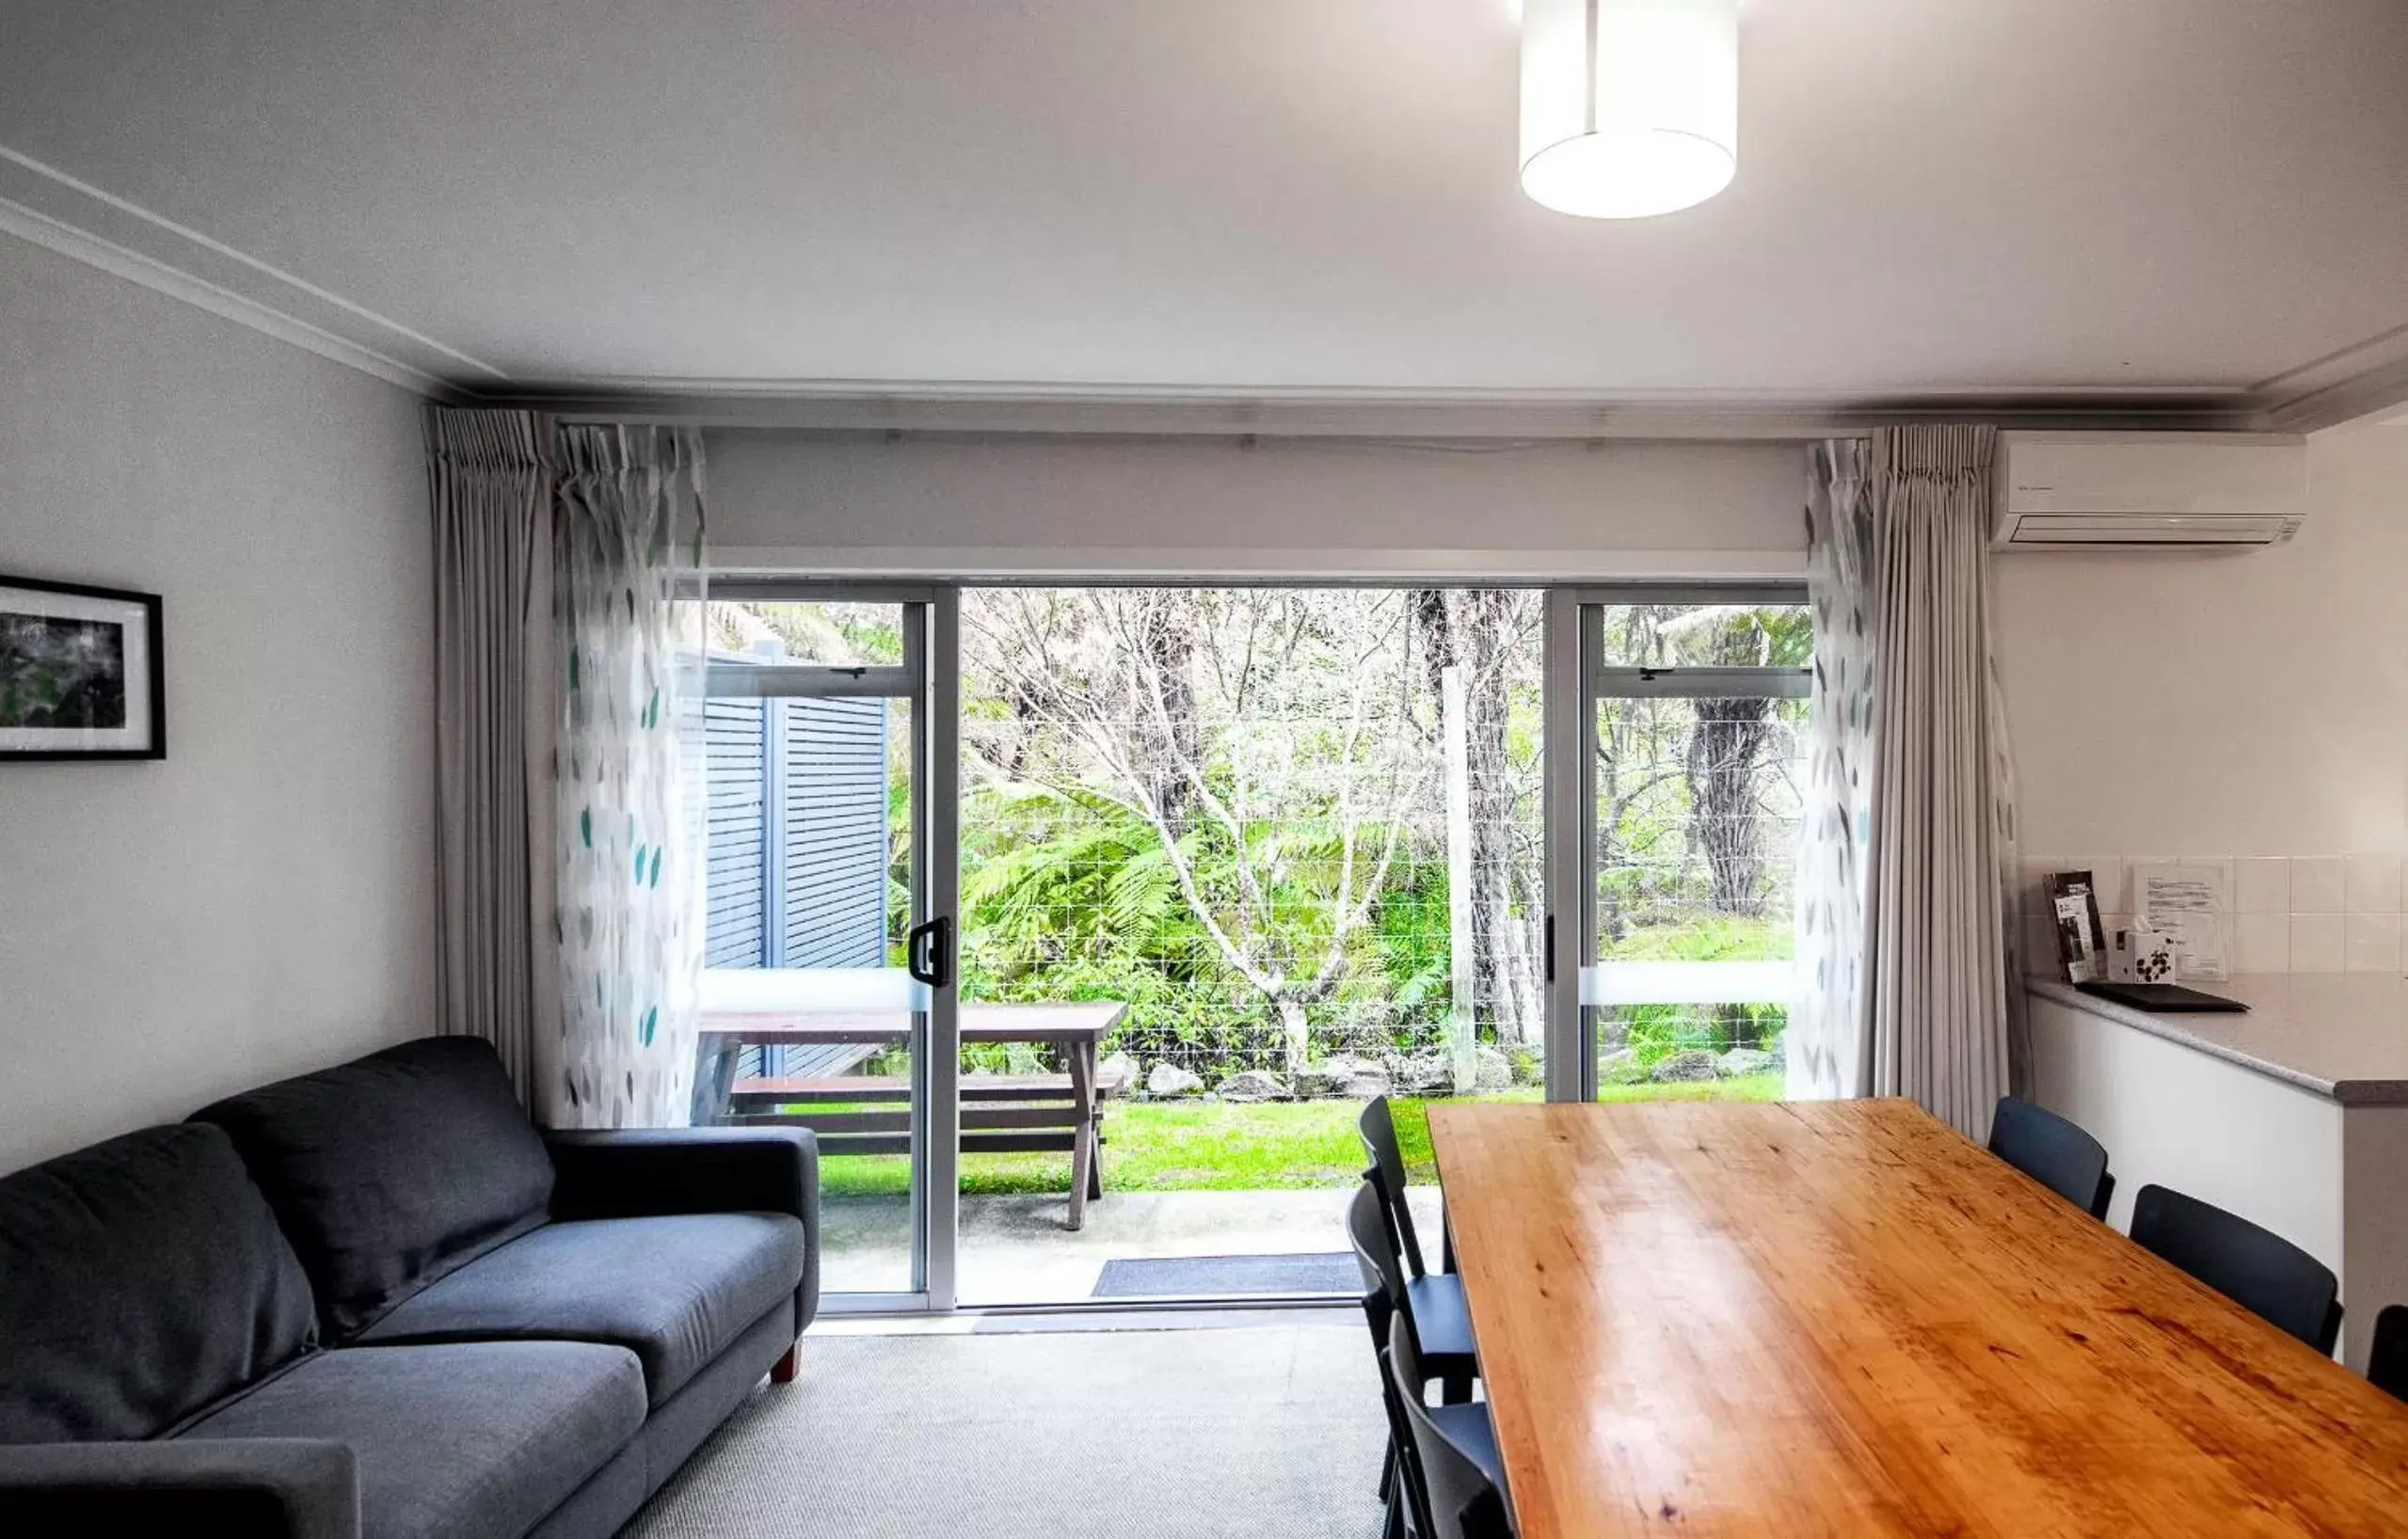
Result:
{"points": [[627, 544], [1906, 921], [1825, 1049]]}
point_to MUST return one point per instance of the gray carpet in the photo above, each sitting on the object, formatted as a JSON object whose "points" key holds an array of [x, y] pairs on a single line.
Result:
{"points": [[1211, 1277], [1239, 1434]]}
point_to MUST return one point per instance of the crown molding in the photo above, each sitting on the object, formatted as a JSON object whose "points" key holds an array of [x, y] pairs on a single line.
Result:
{"points": [[53, 209], [2373, 393], [44, 205]]}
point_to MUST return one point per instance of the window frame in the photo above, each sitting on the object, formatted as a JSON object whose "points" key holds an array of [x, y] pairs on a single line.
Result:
{"points": [[1576, 684]]}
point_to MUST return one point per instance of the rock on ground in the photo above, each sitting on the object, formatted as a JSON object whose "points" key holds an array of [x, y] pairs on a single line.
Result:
{"points": [[1621, 1066], [1367, 1080], [1494, 1070], [1341, 1075], [1168, 1082], [1426, 1073], [1745, 1060], [1695, 1064], [1252, 1085]]}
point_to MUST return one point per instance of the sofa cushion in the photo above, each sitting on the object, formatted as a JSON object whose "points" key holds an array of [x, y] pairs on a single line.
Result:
{"points": [[388, 1171], [675, 1291], [459, 1441], [140, 1279]]}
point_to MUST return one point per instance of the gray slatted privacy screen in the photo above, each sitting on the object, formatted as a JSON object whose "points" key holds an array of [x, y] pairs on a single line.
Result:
{"points": [[833, 848], [798, 838], [739, 880]]}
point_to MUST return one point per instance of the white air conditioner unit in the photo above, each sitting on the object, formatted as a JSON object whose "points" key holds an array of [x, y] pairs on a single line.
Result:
{"points": [[2149, 491]]}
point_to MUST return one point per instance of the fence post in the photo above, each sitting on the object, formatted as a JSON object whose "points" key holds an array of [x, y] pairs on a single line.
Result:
{"points": [[1462, 1021]]}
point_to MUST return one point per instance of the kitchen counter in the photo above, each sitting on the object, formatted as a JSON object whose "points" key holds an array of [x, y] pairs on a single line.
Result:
{"points": [[2343, 1035], [2294, 1115]]}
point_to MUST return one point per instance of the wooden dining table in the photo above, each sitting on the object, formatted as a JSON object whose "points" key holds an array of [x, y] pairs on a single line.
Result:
{"points": [[1844, 1318]]}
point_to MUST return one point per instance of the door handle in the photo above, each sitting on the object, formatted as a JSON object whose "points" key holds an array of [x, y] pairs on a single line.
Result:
{"points": [[927, 952]]}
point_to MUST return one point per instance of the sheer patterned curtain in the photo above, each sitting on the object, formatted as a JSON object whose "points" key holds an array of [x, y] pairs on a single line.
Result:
{"points": [[628, 549], [490, 481], [1824, 1044], [1934, 1011]]}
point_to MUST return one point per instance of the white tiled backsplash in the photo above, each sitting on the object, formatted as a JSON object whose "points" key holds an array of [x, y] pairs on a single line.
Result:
{"points": [[2316, 913]]}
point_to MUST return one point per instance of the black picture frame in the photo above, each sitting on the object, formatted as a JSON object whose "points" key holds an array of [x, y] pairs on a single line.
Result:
{"points": [[145, 609]]}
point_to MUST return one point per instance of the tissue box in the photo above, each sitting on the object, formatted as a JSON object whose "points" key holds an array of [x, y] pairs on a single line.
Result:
{"points": [[2142, 956]]}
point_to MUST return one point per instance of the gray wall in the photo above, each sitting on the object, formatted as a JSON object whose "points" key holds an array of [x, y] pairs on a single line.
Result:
{"points": [[844, 504], [260, 903]]}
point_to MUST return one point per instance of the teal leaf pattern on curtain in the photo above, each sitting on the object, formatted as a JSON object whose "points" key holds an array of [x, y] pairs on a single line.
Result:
{"points": [[627, 775]]}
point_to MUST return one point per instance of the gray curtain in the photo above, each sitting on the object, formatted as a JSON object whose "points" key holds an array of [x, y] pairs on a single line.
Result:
{"points": [[1937, 1015], [490, 480]]}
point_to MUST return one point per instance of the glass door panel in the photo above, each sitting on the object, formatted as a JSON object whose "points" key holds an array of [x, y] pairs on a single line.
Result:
{"points": [[1234, 860], [823, 949], [1696, 726]]}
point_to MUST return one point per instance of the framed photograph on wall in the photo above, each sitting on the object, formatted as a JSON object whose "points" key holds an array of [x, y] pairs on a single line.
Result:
{"points": [[82, 673]]}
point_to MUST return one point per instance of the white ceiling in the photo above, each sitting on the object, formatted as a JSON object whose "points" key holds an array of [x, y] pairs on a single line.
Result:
{"points": [[1936, 197]]}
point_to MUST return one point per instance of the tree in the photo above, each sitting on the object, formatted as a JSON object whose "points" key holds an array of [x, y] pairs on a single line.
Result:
{"points": [[1482, 634], [1266, 736], [1724, 761]]}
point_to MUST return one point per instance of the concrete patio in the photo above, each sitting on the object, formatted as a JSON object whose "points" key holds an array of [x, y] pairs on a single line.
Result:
{"points": [[1018, 1250]]}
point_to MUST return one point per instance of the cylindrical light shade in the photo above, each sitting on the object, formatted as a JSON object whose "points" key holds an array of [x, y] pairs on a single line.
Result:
{"points": [[1629, 107]]}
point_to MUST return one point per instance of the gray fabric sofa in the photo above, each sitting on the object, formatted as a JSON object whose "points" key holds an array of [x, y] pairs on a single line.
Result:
{"points": [[375, 1303]]}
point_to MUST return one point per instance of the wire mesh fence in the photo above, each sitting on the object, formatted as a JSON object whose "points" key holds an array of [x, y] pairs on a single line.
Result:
{"points": [[1292, 827], [1282, 825]]}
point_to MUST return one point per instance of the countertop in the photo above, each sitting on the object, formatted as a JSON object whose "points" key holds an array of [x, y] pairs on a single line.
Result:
{"points": [[2343, 1035]]}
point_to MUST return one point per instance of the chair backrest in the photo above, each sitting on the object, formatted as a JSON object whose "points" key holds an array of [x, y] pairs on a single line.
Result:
{"points": [[2056, 1153], [2254, 1267], [1454, 1500], [1378, 1127], [2387, 1363], [1375, 1255]]}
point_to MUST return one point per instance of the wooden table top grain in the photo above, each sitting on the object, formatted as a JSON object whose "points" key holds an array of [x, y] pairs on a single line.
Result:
{"points": [[1843, 1318]]}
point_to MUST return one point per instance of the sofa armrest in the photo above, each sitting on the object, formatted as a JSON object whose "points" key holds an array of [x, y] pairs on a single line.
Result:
{"points": [[240, 1487], [636, 1172]]}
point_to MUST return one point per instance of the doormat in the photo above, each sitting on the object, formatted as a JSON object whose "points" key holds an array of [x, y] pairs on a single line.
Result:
{"points": [[1204, 1277]]}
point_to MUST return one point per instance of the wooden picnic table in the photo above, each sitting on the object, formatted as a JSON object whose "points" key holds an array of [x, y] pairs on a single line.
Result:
{"points": [[1000, 1113], [1844, 1318]]}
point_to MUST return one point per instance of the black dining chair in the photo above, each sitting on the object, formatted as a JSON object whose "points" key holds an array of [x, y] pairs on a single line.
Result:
{"points": [[1441, 1323], [1376, 1127], [1443, 1342], [2388, 1360], [2056, 1153], [2256, 1268], [1449, 1467]]}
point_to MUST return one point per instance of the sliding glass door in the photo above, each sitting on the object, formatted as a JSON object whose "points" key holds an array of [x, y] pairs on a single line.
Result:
{"points": [[827, 998], [1675, 804], [1238, 858]]}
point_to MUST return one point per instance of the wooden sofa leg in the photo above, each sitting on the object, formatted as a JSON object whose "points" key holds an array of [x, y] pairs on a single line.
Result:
{"points": [[786, 1368]]}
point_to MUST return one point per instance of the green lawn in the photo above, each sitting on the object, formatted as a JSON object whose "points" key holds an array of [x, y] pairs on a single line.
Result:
{"points": [[1230, 1146]]}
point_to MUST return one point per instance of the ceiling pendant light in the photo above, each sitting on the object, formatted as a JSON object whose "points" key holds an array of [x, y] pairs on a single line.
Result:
{"points": [[1629, 107]]}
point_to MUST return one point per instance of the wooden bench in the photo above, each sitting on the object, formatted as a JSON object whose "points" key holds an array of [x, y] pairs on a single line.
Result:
{"points": [[1001, 1114]]}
